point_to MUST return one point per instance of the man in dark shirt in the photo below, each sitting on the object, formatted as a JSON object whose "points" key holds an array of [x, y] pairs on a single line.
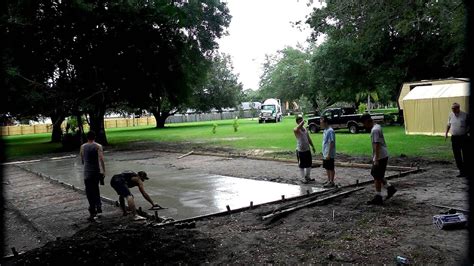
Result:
{"points": [[122, 182], [92, 156]]}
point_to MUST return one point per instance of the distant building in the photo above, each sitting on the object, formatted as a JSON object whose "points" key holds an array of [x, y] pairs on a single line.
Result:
{"points": [[247, 106]]}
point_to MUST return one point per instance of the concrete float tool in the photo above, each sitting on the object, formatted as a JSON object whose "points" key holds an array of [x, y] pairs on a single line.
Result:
{"points": [[157, 208]]}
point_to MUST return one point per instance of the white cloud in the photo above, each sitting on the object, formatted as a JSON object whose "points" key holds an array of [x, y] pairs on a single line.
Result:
{"points": [[262, 27]]}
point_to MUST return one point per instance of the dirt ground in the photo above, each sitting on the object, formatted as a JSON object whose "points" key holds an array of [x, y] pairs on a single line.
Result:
{"points": [[345, 230]]}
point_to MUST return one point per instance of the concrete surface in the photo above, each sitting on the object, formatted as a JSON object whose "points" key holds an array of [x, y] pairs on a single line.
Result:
{"points": [[38, 211], [185, 192]]}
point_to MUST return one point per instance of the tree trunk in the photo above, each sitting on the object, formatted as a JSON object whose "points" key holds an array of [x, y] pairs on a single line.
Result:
{"points": [[57, 133], [80, 126], [97, 125], [160, 118]]}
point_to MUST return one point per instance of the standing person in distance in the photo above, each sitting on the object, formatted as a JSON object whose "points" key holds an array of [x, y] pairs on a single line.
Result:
{"points": [[458, 124], [303, 152], [329, 151]]}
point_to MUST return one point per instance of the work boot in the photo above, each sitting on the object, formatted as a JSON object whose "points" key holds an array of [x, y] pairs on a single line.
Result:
{"points": [[329, 185], [377, 200], [391, 190], [308, 179], [99, 212], [138, 218]]}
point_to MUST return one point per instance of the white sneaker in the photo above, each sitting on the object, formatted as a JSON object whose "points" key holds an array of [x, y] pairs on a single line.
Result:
{"points": [[138, 218]]}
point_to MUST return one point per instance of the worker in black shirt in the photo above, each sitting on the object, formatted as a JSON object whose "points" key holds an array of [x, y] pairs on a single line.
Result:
{"points": [[122, 182]]}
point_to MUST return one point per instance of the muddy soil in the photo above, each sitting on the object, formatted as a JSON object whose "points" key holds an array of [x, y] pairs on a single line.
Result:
{"points": [[349, 231], [113, 243], [38, 211], [343, 231], [19, 233]]}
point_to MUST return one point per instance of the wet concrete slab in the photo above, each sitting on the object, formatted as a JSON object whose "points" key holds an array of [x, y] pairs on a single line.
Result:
{"points": [[185, 192]]}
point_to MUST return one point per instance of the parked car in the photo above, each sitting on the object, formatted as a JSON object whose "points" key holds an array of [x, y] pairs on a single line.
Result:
{"points": [[270, 111], [342, 118]]}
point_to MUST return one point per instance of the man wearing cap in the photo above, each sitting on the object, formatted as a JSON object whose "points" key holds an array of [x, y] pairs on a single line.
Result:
{"points": [[459, 126], [128, 179]]}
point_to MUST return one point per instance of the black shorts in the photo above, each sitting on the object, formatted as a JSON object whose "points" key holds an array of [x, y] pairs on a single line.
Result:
{"points": [[378, 171], [305, 160], [120, 186], [328, 164]]}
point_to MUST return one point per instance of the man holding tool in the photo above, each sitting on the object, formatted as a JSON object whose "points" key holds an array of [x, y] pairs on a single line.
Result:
{"points": [[122, 182], [92, 157]]}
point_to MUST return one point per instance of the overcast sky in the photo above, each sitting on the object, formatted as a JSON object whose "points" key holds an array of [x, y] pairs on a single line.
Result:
{"points": [[260, 27]]}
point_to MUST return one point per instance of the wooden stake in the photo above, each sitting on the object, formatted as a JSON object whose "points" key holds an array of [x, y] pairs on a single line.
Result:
{"points": [[448, 207], [311, 203], [187, 154]]}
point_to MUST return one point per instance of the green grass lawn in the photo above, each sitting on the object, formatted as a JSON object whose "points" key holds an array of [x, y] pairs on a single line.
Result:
{"points": [[251, 135], [385, 110]]}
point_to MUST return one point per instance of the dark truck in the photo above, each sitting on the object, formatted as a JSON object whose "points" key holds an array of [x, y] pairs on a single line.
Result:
{"points": [[342, 118]]}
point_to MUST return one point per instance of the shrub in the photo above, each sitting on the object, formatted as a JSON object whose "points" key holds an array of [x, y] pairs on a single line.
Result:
{"points": [[362, 108], [236, 124], [214, 128]]}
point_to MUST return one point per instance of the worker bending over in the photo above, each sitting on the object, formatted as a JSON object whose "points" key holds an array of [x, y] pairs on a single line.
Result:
{"points": [[122, 182]]}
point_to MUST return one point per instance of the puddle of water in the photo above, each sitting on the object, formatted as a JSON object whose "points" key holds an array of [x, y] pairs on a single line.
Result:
{"points": [[185, 192]]}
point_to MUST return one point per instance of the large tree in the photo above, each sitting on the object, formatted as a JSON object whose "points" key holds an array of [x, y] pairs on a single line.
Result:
{"points": [[287, 74], [37, 73], [221, 89], [374, 46], [97, 55]]}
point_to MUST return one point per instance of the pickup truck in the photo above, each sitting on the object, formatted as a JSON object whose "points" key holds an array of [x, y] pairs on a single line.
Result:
{"points": [[342, 118]]}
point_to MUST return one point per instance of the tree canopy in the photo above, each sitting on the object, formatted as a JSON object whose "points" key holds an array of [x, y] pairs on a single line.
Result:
{"points": [[221, 89], [95, 55], [286, 75], [374, 46]]}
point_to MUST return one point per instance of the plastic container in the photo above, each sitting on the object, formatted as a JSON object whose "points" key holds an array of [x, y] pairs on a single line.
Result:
{"points": [[449, 221]]}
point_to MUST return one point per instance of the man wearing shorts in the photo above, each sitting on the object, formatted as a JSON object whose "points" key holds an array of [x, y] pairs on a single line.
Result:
{"points": [[379, 159], [303, 153], [329, 151], [92, 157], [121, 184]]}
